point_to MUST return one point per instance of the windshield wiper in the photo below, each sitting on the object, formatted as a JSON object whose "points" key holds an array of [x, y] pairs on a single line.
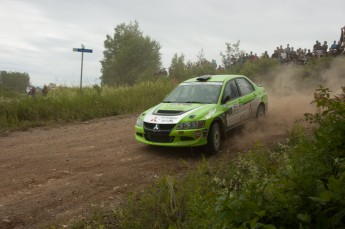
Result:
{"points": [[192, 102], [167, 101]]}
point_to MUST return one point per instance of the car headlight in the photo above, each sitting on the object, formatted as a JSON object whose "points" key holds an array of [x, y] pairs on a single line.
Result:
{"points": [[191, 125], [139, 122]]}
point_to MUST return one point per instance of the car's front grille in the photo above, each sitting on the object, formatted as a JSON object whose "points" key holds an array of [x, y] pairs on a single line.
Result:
{"points": [[158, 132], [154, 126]]}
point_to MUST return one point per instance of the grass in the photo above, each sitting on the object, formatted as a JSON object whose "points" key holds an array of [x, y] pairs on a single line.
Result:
{"points": [[70, 104]]}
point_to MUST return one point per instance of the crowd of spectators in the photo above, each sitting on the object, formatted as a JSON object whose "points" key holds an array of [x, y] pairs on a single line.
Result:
{"points": [[300, 56]]}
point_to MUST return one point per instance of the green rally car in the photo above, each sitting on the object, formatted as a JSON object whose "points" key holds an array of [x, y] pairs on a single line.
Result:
{"points": [[200, 110]]}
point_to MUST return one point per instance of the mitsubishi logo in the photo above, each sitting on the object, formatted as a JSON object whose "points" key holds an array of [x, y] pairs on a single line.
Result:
{"points": [[156, 127]]}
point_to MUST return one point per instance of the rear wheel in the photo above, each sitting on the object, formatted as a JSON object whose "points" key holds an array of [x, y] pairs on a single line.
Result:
{"points": [[261, 111], [214, 138]]}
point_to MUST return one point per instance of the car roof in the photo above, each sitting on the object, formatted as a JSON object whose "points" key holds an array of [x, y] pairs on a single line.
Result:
{"points": [[213, 78]]}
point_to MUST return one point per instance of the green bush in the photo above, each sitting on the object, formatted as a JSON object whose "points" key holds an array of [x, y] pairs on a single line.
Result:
{"points": [[300, 186]]}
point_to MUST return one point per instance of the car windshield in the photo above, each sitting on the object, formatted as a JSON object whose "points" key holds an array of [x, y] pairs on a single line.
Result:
{"points": [[195, 92]]}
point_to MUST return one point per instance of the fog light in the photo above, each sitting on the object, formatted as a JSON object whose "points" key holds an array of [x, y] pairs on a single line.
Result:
{"points": [[198, 134]]}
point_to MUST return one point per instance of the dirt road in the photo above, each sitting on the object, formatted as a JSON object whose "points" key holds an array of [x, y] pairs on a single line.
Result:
{"points": [[54, 175]]}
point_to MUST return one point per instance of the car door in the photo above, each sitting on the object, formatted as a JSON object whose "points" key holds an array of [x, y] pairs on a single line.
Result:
{"points": [[247, 96], [231, 103]]}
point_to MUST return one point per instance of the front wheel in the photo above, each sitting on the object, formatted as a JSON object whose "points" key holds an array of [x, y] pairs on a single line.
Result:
{"points": [[214, 138]]}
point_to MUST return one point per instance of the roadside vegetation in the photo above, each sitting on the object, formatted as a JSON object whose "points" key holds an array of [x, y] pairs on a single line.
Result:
{"points": [[64, 104]]}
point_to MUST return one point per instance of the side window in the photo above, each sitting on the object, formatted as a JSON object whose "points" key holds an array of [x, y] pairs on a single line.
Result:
{"points": [[244, 86], [231, 90]]}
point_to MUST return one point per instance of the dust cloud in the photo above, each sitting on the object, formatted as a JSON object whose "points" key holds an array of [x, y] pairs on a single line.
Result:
{"points": [[334, 77], [290, 96]]}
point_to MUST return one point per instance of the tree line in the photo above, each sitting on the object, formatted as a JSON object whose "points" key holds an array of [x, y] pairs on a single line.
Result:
{"points": [[15, 81]]}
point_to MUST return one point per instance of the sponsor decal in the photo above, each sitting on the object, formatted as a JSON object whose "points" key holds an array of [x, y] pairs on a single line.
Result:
{"points": [[167, 119]]}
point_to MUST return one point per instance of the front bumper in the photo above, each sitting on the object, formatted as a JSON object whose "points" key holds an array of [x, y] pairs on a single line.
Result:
{"points": [[171, 138]]}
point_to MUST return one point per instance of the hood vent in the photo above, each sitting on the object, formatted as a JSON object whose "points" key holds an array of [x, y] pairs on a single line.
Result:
{"points": [[169, 112]]}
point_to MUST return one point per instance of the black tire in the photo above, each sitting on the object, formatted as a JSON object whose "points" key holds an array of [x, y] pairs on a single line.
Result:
{"points": [[260, 112], [214, 139]]}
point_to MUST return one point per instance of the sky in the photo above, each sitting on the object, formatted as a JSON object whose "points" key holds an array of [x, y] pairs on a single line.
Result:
{"points": [[38, 36]]}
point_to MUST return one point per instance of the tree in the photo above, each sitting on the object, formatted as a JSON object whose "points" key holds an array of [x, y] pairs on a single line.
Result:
{"points": [[177, 69], [232, 51], [204, 66], [129, 56], [16, 81]]}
